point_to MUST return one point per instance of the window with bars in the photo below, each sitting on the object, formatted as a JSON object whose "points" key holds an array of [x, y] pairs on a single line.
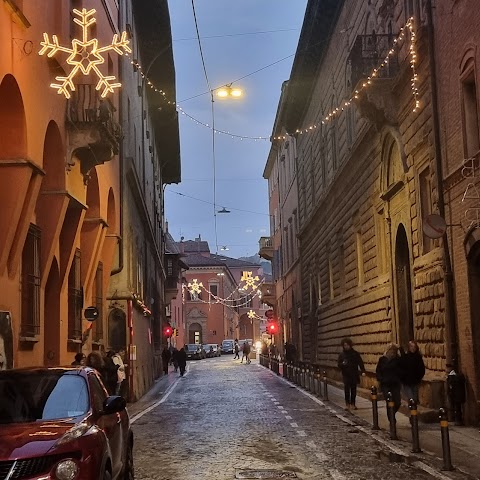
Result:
{"points": [[75, 299], [30, 324], [97, 330]]}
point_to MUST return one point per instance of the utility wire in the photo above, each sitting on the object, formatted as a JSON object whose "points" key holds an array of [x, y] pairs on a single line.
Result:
{"points": [[210, 203], [213, 126], [238, 34]]}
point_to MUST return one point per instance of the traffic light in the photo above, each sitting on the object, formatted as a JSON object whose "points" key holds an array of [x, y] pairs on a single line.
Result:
{"points": [[272, 328], [168, 331]]}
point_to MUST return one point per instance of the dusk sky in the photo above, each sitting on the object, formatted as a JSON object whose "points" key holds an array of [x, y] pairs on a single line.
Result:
{"points": [[232, 52]]}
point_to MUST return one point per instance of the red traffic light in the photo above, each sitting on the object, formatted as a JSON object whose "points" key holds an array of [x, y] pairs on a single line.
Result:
{"points": [[272, 328], [168, 331]]}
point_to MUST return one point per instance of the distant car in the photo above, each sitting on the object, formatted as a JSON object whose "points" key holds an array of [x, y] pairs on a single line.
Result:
{"points": [[212, 350], [194, 351], [227, 346], [60, 423]]}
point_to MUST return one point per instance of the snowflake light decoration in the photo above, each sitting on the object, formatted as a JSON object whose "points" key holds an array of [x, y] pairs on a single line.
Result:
{"points": [[85, 56], [250, 281], [251, 315], [195, 287]]}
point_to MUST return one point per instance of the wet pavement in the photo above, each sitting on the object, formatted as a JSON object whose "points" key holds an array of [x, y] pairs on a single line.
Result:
{"points": [[225, 420]]}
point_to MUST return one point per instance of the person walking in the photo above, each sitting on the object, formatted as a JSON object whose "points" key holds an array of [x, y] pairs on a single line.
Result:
{"points": [[106, 368], [412, 370], [351, 364], [79, 360], [237, 350], [246, 353], [175, 359], [165, 359], [389, 374], [182, 361], [118, 361]]}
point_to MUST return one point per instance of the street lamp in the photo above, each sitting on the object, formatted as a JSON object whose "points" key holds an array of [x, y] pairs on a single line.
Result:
{"points": [[228, 91], [223, 210]]}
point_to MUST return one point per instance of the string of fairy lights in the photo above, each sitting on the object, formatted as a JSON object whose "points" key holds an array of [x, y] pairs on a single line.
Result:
{"points": [[365, 84], [249, 288]]}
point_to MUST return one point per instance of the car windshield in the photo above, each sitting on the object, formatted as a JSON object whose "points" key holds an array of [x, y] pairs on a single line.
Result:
{"points": [[226, 344], [193, 347], [41, 395]]}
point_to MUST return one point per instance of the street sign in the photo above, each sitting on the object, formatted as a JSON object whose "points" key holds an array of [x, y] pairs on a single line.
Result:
{"points": [[434, 226], [269, 314]]}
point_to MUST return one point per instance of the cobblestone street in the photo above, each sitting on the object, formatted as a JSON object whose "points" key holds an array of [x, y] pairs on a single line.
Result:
{"points": [[224, 419]]}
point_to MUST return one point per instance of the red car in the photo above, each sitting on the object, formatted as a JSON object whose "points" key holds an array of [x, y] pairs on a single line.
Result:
{"points": [[60, 424]]}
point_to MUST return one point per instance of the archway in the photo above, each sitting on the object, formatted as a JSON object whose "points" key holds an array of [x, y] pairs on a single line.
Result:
{"points": [[51, 318], [53, 160], [117, 330], [403, 288], [195, 334], [13, 137]]}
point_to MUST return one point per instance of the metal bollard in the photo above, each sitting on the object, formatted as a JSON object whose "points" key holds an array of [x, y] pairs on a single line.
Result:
{"points": [[302, 377], [307, 379], [412, 406], [447, 458], [318, 391], [373, 392], [325, 386], [391, 416]]}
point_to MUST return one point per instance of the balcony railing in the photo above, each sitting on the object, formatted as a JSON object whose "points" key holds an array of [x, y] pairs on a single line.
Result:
{"points": [[86, 107], [368, 53], [266, 247]]}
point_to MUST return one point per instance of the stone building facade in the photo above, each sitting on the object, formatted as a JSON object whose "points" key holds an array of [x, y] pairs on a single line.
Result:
{"points": [[282, 246], [457, 44], [366, 180]]}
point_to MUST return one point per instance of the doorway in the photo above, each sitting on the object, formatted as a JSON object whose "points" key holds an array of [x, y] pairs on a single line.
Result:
{"points": [[474, 290], [403, 288], [195, 334]]}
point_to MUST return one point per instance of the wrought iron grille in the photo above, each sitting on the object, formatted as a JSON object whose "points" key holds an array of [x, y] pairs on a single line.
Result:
{"points": [[30, 324], [75, 299], [368, 53]]}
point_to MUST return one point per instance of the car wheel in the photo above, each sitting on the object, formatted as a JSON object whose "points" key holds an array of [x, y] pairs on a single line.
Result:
{"points": [[129, 467]]}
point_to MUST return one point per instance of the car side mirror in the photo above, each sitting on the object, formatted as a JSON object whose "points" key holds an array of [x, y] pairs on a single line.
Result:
{"points": [[114, 404]]}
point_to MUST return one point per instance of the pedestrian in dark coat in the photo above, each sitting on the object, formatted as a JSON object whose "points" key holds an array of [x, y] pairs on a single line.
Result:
{"points": [[237, 350], [389, 374], [175, 359], [412, 370], [182, 361], [351, 364], [106, 368], [165, 359]]}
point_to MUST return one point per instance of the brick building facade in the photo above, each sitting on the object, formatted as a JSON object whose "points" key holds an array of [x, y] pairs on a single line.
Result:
{"points": [[457, 43], [366, 178]]}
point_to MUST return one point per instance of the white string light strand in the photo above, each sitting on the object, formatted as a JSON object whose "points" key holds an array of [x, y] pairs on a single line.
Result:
{"points": [[409, 26]]}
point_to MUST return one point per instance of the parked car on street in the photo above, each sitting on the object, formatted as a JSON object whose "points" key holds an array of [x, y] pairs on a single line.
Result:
{"points": [[60, 423], [227, 346], [212, 350], [194, 351]]}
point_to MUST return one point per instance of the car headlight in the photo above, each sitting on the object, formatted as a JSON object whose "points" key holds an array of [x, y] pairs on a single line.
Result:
{"points": [[75, 432], [66, 470]]}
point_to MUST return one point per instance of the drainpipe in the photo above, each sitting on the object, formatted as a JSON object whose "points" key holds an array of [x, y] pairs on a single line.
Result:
{"points": [[450, 316], [121, 162], [130, 347]]}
